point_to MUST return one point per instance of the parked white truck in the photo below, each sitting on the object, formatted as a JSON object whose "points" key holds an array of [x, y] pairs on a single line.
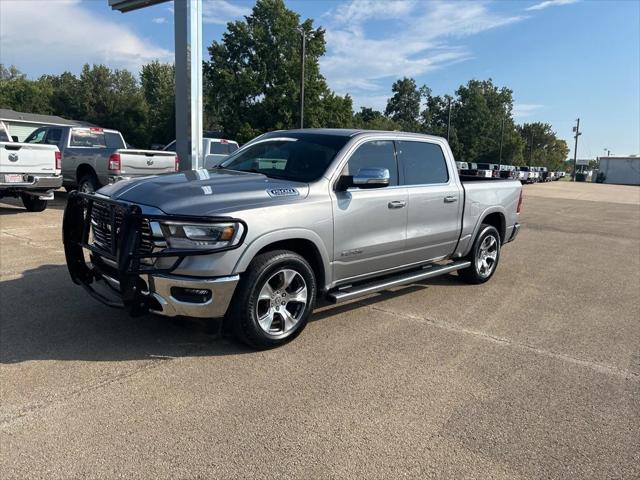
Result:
{"points": [[94, 157], [31, 172]]}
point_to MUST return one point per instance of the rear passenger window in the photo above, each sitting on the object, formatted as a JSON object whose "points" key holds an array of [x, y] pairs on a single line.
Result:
{"points": [[53, 136], [376, 154], [113, 140], [422, 163]]}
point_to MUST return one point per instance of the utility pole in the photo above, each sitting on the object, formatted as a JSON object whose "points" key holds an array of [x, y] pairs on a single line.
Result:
{"points": [[576, 130], [531, 150], [449, 121], [501, 139], [302, 56]]}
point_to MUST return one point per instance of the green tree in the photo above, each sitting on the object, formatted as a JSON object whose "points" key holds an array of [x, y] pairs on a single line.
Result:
{"points": [[21, 94], [370, 119], [481, 119], [65, 99], [252, 77], [404, 105], [158, 88], [543, 147], [114, 99]]}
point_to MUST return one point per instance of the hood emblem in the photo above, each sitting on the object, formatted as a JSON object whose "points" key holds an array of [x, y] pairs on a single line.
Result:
{"points": [[283, 192], [150, 162], [13, 157]]}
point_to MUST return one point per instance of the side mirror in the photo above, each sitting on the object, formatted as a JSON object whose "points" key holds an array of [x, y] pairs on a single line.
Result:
{"points": [[371, 178]]}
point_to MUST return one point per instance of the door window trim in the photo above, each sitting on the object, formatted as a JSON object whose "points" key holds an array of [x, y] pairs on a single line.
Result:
{"points": [[444, 156], [352, 149]]}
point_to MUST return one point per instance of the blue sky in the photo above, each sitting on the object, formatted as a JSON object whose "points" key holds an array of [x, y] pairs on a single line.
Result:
{"points": [[563, 58]]}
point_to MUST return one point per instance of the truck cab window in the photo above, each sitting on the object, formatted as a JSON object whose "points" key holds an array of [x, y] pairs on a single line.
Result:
{"points": [[375, 154], [37, 136], [53, 136], [423, 163]]}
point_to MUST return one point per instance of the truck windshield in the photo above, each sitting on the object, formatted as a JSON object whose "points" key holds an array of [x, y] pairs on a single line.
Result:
{"points": [[297, 157]]}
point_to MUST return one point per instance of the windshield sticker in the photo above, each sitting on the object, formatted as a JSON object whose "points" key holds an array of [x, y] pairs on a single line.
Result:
{"points": [[283, 192]]}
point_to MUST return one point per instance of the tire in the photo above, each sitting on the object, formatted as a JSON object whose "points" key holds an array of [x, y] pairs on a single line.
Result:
{"points": [[287, 284], [88, 183], [484, 256], [33, 204], [69, 188]]}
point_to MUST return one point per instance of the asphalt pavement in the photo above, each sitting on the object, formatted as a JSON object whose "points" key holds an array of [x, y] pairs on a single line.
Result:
{"points": [[535, 374]]}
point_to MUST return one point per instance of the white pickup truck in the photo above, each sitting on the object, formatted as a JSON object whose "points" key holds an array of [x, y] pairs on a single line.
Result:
{"points": [[31, 172], [94, 157]]}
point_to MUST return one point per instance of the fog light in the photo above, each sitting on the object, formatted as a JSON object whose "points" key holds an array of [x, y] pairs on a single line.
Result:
{"points": [[191, 295]]}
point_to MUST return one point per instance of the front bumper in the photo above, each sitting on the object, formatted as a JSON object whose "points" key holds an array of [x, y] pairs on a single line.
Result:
{"points": [[34, 182], [126, 279]]}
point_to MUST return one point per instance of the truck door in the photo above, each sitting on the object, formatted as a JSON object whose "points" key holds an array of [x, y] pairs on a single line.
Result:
{"points": [[369, 224], [435, 201]]}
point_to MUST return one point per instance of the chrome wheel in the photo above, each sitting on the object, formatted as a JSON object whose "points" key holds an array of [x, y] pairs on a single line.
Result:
{"points": [[487, 256], [281, 302]]}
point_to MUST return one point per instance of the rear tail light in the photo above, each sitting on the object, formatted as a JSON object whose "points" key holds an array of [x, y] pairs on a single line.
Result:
{"points": [[177, 163], [519, 203], [114, 162], [58, 161]]}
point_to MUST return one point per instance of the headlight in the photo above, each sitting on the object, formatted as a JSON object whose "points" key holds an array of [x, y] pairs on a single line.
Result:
{"points": [[201, 235]]}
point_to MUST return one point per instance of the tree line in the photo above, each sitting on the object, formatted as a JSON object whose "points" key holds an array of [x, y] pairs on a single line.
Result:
{"points": [[251, 85]]}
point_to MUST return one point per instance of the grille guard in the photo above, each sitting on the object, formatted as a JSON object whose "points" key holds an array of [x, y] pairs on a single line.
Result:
{"points": [[76, 226]]}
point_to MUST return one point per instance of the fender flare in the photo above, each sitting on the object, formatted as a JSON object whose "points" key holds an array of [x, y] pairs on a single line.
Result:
{"points": [[269, 238], [481, 217]]}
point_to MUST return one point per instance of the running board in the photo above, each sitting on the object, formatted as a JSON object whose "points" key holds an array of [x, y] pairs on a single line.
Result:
{"points": [[350, 293]]}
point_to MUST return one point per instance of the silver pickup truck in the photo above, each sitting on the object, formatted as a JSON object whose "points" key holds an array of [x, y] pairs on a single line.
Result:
{"points": [[94, 157], [290, 217]]}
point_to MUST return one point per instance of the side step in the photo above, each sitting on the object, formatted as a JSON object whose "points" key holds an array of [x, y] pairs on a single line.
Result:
{"points": [[350, 293]]}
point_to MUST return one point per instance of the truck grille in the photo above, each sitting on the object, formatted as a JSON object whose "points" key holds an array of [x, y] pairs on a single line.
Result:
{"points": [[106, 220]]}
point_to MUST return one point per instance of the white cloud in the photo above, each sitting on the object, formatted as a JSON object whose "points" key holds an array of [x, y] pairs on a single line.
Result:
{"points": [[220, 12], [549, 3], [50, 37], [358, 61], [524, 110], [159, 20]]}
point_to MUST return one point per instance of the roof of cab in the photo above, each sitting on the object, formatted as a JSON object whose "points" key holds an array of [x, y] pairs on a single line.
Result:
{"points": [[352, 132]]}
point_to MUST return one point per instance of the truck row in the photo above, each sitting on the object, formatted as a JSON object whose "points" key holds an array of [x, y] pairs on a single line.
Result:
{"points": [[526, 174]]}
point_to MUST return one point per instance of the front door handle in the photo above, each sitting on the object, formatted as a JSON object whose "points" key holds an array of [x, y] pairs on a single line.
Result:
{"points": [[450, 199], [397, 204]]}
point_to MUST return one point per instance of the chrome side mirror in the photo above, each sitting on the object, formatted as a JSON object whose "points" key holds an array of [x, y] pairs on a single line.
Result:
{"points": [[371, 178]]}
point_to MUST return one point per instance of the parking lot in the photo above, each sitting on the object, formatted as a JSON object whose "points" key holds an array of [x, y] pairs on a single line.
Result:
{"points": [[534, 374]]}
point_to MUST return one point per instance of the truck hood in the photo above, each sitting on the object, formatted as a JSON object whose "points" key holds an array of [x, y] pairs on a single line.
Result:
{"points": [[207, 192]]}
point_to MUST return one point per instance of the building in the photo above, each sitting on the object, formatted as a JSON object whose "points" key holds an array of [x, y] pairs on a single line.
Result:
{"points": [[22, 124], [620, 170]]}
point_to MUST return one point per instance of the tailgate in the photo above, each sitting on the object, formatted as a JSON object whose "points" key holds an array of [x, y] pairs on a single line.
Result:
{"points": [[146, 162], [27, 158]]}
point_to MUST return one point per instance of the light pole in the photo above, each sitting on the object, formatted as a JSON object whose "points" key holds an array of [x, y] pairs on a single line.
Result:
{"points": [[576, 130], [608, 151], [531, 150], [449, 120], [501, 139], [302, 57]]}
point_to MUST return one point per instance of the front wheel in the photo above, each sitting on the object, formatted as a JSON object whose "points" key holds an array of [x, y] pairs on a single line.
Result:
{"points": [[484, 256], [33, 204], [273, 300]]}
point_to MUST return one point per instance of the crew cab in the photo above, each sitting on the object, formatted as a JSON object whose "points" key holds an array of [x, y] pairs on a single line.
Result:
{"points": [[94, 157], [290, 217], [215, 150], [31, 172]]}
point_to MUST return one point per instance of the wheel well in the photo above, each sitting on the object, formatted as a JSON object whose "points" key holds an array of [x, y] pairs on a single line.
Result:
{"points": [[497, 220], [83, 170], [304, 248]]}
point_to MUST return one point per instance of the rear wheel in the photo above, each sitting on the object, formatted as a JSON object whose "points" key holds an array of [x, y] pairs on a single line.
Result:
{"points": [[273, 300], [484, 256], [33, 204], [88, 184]]}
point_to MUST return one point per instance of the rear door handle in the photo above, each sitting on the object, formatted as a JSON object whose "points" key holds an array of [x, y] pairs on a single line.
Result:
{"points": [[450, 199], [397, 204]]}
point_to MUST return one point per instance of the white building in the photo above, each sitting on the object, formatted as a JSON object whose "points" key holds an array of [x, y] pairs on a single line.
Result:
{"points": [[621, 170], [22, 124]]}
